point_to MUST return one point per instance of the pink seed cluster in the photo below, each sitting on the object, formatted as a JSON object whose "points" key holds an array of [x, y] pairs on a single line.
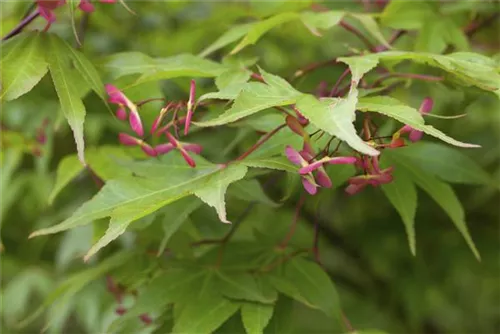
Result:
{"points": [[128, 109], [312, 165]]}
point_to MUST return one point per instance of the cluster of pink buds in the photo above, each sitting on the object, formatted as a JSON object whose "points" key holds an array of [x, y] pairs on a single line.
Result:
{"points": [[373, 176], [307, 161], [183, 148], [118, 292], [308, 164], [117, 97], [46, 8], [413, 134], [126, 106]]}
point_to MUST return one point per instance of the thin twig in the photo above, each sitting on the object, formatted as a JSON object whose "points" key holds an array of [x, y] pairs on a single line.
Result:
{"points": [[339, 81], [356, 32], [29, 10], [140, 103], [291, 232], [24, 22], [316, 243], [395, 36], [260, 142], [416, 76], [312, 67], [238, 222]]}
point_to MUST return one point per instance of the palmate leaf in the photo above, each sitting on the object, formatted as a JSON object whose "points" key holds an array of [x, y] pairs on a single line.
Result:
{"points": [[440, 192], [372, 27], [242, 286], [260, 28], [22, 65], [213, 193], [400, 14], [402, 194], [446, 163], [65, 81], [256, 316], [250, 33], [406, 115], [307, 283], [76, 282], [153, 69], [166, 288], [467, 68], [251, 190], [282, 318], [336, 117], [203, 310], [277, 163], [255, 97], [232, 35], [86, 69], [68, 169], [232, 77], [105, 161], [130, 198], [174, 215], [325, 20]]}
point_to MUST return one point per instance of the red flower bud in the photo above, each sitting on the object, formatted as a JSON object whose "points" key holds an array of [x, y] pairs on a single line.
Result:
{"points": [[128, 140], [86, 6], [426, 105], [294, 125], [135, 123], [148, 149], [121, 114], [164, 148]]}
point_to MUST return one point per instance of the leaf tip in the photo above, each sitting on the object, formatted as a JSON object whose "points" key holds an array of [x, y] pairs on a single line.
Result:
{"points": [[87, 257], [33, 234]]}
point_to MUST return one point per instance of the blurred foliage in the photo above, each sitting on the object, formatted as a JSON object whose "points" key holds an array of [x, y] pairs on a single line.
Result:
{"points": [[363, 245]]}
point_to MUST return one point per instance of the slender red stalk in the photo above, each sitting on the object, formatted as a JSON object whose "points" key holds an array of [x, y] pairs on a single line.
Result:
{"points": [[291, 232], [260, 142], [423, 77], [358, 34], [316, 242], [140, 103], [24, 22], [339, 81], [312, 67]]}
